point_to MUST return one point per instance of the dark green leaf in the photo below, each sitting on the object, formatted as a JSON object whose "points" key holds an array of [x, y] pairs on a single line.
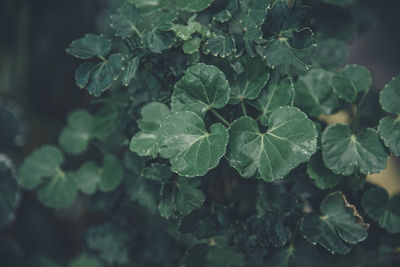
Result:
{"points": [[193, 5], [290, 140], [85, 261], [278, 93], [344, 152], [224, 256], [322, 176], [314, 94], [220, 45], [130, 71], [125, 21], [9, 191], [180, 197], [89, 46], [248, 84], [381, 208], [82, 73], [192, 150], [157, 41], [351, 80], [337, 228]]}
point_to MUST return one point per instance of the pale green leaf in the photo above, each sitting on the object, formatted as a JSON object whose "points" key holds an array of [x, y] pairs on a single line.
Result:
{"points": [[192, 150], [144, 144], [87, 177], [290, 140], [344, 152], [191, 46], [112, 173], [75, 136]]}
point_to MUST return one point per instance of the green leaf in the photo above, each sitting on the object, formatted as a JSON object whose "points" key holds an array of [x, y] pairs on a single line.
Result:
{"points": [[110, 243], [87, 177], [220, 45], [314, 93], [90, 176], [144, 143], [337, 228], [198, 224], [112, 174], [381, 208], [291, 52], [341, 3], [226, 14], [191, 46], [248, 84], [180, 197], [195, 255], [224, 256], [185, 31], [277, 93], [9, 191], [130, 71], [290, 140], [193, 5], [157, 41], [322, 176], [192, 150], [180, 101], [331, 53], [351, 80], [89, 46], [125, 21], [389, 131], [389, 98], [344, 152], [300, 254], [82, 73], [205, 84], [105, 74], [254, 13], [85, 261], [75, 136], [105, 121], [389, 128], [43, 163], [59, 192]]}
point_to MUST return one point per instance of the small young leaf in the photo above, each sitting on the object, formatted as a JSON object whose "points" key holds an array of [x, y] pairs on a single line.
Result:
{"points": [[314, 94], [290, 140], [337, 228], [379, 207], [205, 84], [87, 177], [344, 152], [182, 138], [75, 137], [191, 46], [89, 46], [351, 80]]}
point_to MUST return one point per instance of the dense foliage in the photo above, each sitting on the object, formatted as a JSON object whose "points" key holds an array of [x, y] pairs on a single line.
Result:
{"points": [[210, 144]]}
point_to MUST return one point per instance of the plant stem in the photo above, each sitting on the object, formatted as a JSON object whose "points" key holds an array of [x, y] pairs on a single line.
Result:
{"points": [[363, 98], [220, 117], [243, 107]]}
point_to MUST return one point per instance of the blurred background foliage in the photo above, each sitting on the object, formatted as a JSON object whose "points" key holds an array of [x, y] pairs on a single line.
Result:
{"points": [[37, 90]]}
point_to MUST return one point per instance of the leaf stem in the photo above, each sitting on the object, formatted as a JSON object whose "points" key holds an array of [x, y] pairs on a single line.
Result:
{"points": [[364, 96], [243, 107], [220, 117]]}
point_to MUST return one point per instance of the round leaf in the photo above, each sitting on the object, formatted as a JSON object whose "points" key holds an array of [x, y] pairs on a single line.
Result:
{"points": [[290, 140], [337, 228], [205, 84], [344, 153], [192, 150], [89, 46], [389, 131], [350, 80], [390, 96], [379, 207]]}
